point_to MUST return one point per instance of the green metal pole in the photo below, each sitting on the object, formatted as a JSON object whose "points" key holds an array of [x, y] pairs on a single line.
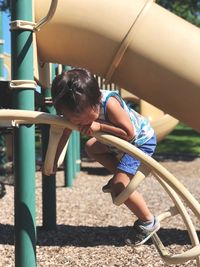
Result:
{"points": [[69, 164], [24, 140], [48, 182], [2, 137], [78, 152], [74, 152]]}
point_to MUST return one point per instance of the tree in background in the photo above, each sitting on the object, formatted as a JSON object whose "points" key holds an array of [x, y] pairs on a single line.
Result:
{"points": [[187, 9], [5, 5]]}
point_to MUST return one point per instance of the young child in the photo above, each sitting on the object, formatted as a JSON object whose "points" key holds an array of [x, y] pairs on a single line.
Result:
{"points": [[77, 97]]}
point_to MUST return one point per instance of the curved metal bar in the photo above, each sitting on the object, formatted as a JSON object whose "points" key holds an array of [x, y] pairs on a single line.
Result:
{"points": [[188, 222], [126, 42], [178, 258], [48, 17], [155, 167], [45, 118], [140, 175], [55, 134], [166, 214], [159, 171]]}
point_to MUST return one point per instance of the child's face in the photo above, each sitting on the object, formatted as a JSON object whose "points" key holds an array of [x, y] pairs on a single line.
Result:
{"points": [[87, 117]]}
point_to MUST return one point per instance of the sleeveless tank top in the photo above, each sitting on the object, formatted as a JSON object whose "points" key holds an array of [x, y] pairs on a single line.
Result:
{"points": [[142, 128]]}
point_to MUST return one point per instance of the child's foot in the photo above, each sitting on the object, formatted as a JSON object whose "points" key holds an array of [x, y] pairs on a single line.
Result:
{"points": [[141, 232], [107, 188]]}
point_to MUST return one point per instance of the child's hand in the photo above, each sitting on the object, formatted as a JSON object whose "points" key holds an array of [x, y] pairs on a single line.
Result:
{"points": [[95, 127], [90, 129]]}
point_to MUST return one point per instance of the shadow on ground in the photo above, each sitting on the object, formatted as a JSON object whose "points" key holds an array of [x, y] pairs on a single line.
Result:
{"points": [[89, 236], [101, 171], [161, 157]]}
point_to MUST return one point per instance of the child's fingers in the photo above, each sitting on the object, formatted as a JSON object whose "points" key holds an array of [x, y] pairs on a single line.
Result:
{"points": [[85, 129]]}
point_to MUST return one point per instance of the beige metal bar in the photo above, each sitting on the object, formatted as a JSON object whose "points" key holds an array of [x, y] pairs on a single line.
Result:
{"points": [[169, 213], [140, 175], [126, 41], [55, 134], [175, 259], [48, 17]]}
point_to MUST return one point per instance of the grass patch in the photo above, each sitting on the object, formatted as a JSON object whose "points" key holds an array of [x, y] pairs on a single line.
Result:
{"points": [[182, 140]]}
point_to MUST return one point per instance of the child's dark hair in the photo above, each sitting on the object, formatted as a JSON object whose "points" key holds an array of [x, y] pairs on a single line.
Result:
{"points": [[75, 89]]}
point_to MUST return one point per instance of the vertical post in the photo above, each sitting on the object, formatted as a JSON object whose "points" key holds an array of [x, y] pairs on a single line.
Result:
{"points": [[78, 152], [48, 182], [2, 137], [74, 152], [24, 139], [68, 165]]}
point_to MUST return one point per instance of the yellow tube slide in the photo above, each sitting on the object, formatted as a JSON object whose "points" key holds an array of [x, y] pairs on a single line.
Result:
{"points": [[162, 123], [137, 44]]}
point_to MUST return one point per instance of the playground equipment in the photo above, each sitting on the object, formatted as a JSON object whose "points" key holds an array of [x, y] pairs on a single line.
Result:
{"points": [[162, 123], [141, 47], [172, 186], [130, 52]]}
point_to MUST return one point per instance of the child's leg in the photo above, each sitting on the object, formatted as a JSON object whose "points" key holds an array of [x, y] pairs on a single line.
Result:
{"points": [[135, 202], [147, 224], [100, 153]]}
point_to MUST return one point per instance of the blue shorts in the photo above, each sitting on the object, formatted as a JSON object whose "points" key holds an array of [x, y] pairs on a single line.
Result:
{"points": [[129, 164]]}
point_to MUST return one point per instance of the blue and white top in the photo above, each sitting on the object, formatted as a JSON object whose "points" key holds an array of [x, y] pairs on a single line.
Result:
{"points": [[142, 128]]}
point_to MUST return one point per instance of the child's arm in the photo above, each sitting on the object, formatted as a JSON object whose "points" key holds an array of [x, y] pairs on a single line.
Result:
{"points": [[120, 124]]}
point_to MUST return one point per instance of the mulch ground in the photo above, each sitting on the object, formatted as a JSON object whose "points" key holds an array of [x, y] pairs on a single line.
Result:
{"points": [[90, 229]]}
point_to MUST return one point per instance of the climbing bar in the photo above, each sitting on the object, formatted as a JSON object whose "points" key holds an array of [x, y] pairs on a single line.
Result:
{"points": [[140, 175], [48, 17], [175, 259], [55, 134], [178, 209]]}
